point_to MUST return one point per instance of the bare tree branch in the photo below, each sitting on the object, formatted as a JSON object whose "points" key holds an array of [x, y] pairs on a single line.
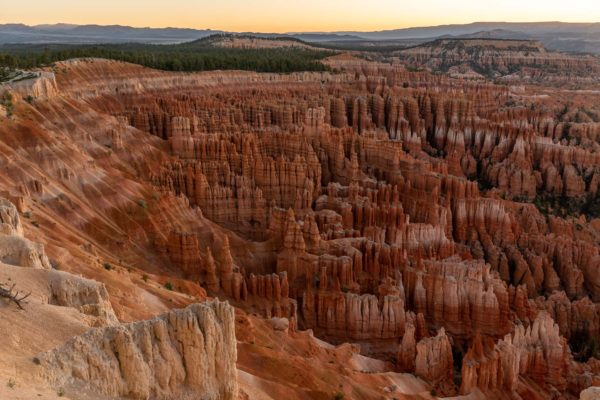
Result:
{"points": [[12, 295]]}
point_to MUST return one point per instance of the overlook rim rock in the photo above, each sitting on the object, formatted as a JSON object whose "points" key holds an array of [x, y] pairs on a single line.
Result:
{"points": [[413, 224]]}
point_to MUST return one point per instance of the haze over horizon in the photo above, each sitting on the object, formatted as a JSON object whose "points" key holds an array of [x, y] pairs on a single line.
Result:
{"points": [[309, 15]]}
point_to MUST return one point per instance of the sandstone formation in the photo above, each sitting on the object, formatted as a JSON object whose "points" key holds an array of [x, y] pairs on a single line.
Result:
{"points": [[537, 352], [87, 296], [592, 393], [15, 249], [62, 289], [511, 59], [187, 353], [450, 225], [434, 358], [249, 42]]}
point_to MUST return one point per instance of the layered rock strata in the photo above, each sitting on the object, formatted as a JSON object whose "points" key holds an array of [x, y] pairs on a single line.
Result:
{"points": [[188, 353]]}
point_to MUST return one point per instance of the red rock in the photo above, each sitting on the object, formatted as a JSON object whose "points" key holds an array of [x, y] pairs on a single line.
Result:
{"points": [[434, 358], [389, 204]]}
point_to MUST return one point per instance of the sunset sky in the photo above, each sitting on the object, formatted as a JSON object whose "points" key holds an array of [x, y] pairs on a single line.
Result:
{"points": [[285, 16]]}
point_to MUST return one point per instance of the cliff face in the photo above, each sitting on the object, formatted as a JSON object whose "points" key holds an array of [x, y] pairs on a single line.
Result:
{"points": [[537, 352], [510, 59], [62, 289], [451, 225], [15, 249], [188, 353], [9, 217], [38, 85], [434, 358], [87, 296]]}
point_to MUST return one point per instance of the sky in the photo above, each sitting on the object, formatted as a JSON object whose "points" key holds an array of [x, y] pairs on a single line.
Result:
{"points": [[294, 15]]}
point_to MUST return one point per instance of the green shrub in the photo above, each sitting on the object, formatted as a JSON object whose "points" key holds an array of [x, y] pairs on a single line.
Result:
{"points": [[7, 97], [169, 286], [107, 266], [7, 102]]}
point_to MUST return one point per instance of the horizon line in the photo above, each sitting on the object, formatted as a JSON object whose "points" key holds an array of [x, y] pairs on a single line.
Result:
{"points": [[335, 31]]}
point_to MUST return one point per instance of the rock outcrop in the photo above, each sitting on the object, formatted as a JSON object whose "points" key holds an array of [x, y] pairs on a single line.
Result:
{"points": [[537, 352], [434, 361], [592, 393], [517, 59], [184, 354], [15, 249], [9, 218], [87, 296]]}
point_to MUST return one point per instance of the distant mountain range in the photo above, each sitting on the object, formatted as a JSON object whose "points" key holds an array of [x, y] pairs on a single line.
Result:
{"points": [[561, 36], [80, 34], [530, 28]]}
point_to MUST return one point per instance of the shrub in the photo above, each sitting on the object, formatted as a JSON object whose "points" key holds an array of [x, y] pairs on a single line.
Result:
{"points": [[36, 361], [11, 383], [107, 266], [60, 392], [169, 286], [7, 102], [145, 278], [142, 203], [339, 396]]}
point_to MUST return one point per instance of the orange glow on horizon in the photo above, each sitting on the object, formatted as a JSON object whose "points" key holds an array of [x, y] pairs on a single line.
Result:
{"points": [[308, 15]]}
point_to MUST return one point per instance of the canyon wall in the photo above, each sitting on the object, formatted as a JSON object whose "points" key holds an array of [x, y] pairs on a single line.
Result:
{"points": [[448, 224]]}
